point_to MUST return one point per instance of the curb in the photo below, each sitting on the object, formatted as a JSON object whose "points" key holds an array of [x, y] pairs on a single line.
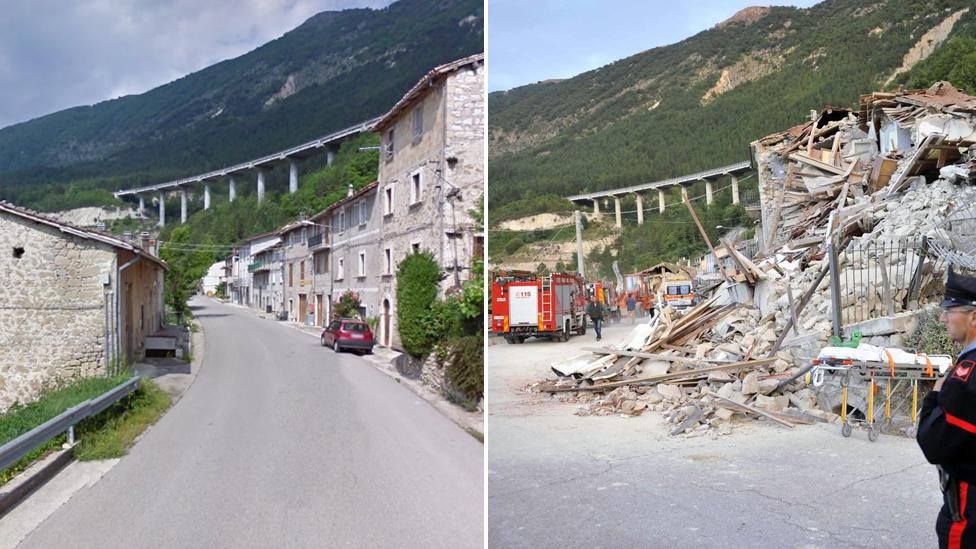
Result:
{"points": [[32, 478], [427, 395], [443, 407]]}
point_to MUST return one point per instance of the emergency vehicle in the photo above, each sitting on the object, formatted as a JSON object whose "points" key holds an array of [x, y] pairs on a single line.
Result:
{"points": [[525, 305]]}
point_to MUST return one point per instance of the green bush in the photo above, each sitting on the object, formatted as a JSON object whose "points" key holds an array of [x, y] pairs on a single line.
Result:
{"points": [[347, 306], [465, 372], [514, 245], [931, 337], [418, 278], [442, 321]]}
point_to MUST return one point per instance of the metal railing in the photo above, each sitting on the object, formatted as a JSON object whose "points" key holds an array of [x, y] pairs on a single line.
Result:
{"points": [[19, 447], [874, 279]]}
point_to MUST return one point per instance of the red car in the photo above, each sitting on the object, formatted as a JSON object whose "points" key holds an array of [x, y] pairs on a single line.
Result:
{"points": [[348, 333]]}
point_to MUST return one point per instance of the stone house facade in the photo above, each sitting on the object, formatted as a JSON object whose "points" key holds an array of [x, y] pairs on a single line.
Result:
{"points": [[431, 175], [297, 280], [241, 275], [350, 257], [72, 301], [266, 279]]}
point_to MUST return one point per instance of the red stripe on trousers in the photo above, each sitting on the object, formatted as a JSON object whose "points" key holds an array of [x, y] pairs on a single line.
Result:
{"points": [[961, 423], [955, 533]]}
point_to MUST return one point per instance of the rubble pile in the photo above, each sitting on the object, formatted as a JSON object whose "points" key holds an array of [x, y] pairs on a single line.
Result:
{"points": [[891, 170]]}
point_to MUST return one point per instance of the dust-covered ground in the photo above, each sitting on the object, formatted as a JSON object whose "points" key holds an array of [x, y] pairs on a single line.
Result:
{"points": [[560, 480]]}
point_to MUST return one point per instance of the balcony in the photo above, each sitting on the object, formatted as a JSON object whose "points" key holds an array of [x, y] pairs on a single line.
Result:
{"points": [[258, 267], [318, 242]]}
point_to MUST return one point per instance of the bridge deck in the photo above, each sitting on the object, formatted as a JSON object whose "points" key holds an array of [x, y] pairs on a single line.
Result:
{"points": [[297, 152], [714, 172]]}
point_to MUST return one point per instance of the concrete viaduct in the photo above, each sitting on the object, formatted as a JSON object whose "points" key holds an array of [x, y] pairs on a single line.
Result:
{"points": [[328, 144], [708, 176]]}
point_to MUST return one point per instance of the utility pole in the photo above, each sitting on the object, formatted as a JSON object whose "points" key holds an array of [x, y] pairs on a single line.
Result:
{"points": [[579, 244]]}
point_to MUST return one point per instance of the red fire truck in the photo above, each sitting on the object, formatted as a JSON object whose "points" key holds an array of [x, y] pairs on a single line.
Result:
{"points": [[524, 305]]}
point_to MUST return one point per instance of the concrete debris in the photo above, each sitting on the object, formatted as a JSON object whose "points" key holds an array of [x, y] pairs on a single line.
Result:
{"points": [[891, 169]]}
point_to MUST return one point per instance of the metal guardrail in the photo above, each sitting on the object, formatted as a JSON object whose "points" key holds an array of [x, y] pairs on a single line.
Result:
{"points": [[19, 447]]}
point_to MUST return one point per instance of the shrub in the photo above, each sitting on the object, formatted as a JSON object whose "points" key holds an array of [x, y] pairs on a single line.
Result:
{"points": [[347, 306], [418, 277], [514, 245], [442, 321], [464, 372], [931, 337]]}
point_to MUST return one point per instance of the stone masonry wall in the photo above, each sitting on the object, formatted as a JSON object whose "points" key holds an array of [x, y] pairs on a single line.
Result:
{"points": [[52, 307]]}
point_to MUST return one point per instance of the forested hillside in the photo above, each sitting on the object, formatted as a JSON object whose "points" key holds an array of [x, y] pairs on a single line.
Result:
{"points": [[335, 70], [698, 103]]}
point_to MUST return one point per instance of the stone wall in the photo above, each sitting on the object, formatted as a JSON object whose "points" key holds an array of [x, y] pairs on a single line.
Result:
{"points": [[52, 307]]}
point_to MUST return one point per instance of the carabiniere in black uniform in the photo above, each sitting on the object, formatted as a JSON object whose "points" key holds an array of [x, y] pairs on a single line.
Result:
{"points": [[947, 432]]}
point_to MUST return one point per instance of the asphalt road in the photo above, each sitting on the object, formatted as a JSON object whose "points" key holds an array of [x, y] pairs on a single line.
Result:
{"points": [[282, 443], [559, 480]]}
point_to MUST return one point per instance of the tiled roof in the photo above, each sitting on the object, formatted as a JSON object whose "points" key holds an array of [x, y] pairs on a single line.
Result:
{"points": [[89, 234]]}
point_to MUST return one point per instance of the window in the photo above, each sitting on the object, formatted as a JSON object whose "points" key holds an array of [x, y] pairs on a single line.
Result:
{"points": [[362, 264], [418, 122], [388, 201], [479, 248], [363, 212], [291, 275], [388, 261], [415, 188], [322, 262], [18, 252], [415, 247], [301, 277], [341, 269], [388, 151]]}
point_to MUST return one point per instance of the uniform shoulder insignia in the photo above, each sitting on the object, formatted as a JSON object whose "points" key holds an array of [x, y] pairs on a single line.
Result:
{"points": [[963, 370]]}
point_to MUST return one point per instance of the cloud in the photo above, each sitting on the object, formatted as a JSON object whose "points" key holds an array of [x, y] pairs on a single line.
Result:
{"points": [[56, 54]]}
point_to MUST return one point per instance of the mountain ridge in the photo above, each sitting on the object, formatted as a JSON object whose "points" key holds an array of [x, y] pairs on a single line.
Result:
{"points": [[697, 103], [334, 70]]}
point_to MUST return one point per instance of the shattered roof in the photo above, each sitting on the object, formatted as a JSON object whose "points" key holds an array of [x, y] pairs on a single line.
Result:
{"points": [[941, 96], [672, 267], [88, 234]]}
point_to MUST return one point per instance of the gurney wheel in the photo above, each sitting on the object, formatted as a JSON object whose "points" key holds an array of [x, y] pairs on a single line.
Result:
{"points": [[873, 433], [846, 429]]}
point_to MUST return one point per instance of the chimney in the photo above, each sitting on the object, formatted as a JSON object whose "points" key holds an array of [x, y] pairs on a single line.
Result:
{"points": [[350, 191], [144, 241]]}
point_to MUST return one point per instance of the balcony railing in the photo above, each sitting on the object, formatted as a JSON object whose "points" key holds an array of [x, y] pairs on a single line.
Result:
{"points": [[318, 241]]}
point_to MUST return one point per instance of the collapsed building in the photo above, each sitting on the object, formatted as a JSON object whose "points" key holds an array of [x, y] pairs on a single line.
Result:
{"points": [[862, 212]]}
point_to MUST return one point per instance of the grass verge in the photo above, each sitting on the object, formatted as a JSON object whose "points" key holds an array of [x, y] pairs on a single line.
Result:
{"points": [[123, 423], [21, 418], [106, 435]]}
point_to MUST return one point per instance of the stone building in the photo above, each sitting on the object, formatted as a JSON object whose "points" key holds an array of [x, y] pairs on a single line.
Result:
{"points": [[297, 278], [349, 257], [72, 302], [240, 275], [266, 278], [431, 175]]}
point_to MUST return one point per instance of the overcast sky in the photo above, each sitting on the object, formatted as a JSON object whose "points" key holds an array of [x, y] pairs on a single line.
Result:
{"points": [[533, 40], [56, 54]]}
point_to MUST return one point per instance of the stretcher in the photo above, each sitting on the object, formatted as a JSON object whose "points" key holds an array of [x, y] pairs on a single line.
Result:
{"points": [[880, 368]]}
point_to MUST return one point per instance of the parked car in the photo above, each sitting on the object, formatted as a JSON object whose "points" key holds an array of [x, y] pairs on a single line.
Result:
{"points": [[348, 333]]}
